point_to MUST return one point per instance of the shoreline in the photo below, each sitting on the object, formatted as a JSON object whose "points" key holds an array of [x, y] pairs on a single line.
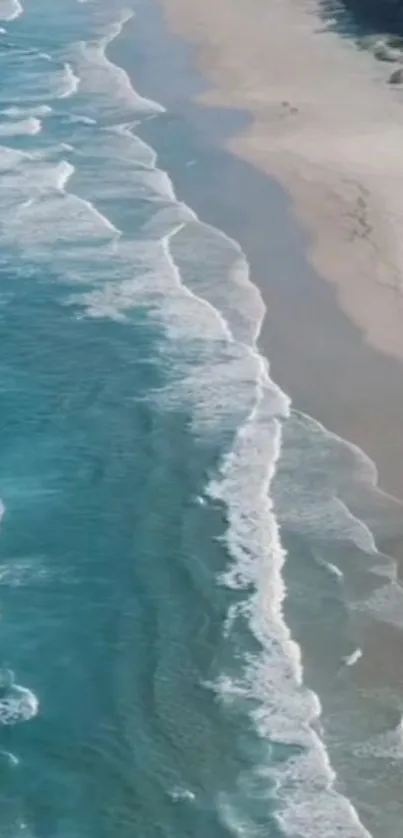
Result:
{"points": [[317, 353], [307, 338], [335, 152]]}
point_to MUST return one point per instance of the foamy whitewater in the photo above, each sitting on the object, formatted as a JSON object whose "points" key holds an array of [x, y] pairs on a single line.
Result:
{"points": [[149, 466]]}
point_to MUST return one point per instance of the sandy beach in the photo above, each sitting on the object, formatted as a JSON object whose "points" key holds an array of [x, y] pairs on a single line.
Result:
{"points": [[278, 153], [326, 124]]}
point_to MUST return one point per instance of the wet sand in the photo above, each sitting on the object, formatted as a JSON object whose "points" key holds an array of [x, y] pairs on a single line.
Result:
{"points": [[335, 346], [319, 353], [324, 122]]}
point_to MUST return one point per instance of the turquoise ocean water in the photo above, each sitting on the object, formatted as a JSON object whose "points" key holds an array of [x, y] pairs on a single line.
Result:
{"points": [[150, 685]]}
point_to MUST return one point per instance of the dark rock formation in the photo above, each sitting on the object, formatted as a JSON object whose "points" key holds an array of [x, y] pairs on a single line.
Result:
{"points": [[383, 52], [364, 17], [397, 76]]}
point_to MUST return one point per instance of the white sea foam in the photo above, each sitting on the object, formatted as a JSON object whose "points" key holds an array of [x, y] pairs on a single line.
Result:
{"points": [[234, 819], [332, 569], [182, 794], [182, 311], [224, 282], [37, 212], [304, 783], [56, 219], [117, 99], [236, 610], [10, 158], [351, 660], [36, 81], [27, 176], [387, 745], [10, 758], [17, 573], [64, 173], [83, 120], [17, 703], [312, 483], [16, 112], [128, 169], [69, 82], [10, 9], [31, 125], [144, 154]]}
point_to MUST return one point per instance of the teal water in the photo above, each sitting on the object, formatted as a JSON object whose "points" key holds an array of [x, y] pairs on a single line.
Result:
{"points": [[149, 684]]}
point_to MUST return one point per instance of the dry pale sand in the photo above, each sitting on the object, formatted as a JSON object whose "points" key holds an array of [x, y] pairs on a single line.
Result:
{"points": [[327, 124]]}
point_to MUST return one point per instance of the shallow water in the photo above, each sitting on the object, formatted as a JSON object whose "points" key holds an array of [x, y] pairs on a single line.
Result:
{"points": [[150, 682]]}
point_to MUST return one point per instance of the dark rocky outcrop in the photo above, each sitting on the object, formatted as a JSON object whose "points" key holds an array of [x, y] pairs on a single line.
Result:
{"points": [[397, 76], [365, 17]]}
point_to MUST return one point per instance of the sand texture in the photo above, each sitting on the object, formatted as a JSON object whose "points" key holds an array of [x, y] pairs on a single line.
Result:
{"points": [[328, 125]]}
